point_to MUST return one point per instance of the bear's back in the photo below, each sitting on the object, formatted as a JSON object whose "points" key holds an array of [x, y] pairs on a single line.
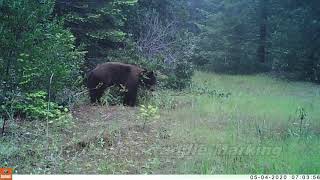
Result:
{"points": [[117, 67], [116, 72]]}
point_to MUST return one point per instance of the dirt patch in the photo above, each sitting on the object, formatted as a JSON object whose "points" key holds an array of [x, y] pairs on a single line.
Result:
{"points": [[99, 140], [113, 140]]}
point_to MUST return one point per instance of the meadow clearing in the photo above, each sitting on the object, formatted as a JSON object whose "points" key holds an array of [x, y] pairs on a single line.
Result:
{"points": [[222, 124]]}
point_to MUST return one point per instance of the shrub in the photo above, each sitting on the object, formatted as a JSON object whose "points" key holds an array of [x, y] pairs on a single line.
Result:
{"points": [[35, 106], [114, 95], [148, 113], [34, 45]]}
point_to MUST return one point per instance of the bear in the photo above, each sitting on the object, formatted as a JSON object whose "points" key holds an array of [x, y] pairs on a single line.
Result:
{"points": [[125, 75]]}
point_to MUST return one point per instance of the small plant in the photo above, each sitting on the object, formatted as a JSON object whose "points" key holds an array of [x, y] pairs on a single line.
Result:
{"points": [[148, 113], [300, 124], [35, 106], [101, 142], [302, 117]]}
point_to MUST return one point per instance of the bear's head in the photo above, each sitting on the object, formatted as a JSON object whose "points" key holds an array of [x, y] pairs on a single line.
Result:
{"points": [[148, 79]]}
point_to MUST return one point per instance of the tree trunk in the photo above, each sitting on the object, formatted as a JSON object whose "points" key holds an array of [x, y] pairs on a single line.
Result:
{"points": [[263, 31]]}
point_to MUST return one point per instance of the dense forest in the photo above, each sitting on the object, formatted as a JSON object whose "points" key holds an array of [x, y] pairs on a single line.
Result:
{"points": [[47, 48]]}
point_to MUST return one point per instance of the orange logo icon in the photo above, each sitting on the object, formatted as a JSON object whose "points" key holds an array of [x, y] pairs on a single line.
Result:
{"points": [[5, 174]]}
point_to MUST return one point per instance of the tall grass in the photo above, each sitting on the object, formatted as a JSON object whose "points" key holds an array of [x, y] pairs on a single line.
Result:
{"points": [[260, 112]]}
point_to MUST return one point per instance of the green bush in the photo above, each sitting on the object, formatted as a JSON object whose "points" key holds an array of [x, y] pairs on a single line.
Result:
{"points": [[36, 106], [180, 76], [34, 46], [114, 95]]}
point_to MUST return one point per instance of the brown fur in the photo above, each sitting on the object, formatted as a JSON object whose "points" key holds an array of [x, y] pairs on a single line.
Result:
{"points": [[114, 73]]}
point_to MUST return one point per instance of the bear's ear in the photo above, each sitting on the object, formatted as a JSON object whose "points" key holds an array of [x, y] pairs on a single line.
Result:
{"points": [[150, 74]]}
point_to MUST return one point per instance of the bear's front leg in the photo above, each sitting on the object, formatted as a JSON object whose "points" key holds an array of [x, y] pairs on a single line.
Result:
{"points": [[130, 98], [97, 93]]}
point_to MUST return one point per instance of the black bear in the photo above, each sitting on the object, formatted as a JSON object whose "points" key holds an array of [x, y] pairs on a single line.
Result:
{"points": [[114, 73]]}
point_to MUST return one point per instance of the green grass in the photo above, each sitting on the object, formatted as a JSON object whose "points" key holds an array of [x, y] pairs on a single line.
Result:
{"points": [[222, 124], [262, 112]]}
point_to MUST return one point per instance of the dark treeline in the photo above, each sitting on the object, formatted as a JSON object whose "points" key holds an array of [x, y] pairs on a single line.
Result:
{"points": [[246, 36], [64, 39]]}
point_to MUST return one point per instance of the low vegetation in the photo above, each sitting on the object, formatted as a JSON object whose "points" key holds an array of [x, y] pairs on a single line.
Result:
{"points": [[221, 124]]}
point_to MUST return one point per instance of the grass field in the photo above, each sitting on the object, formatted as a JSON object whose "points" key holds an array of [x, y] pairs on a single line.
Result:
{"points": [[260, 112], [222, 124]]}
